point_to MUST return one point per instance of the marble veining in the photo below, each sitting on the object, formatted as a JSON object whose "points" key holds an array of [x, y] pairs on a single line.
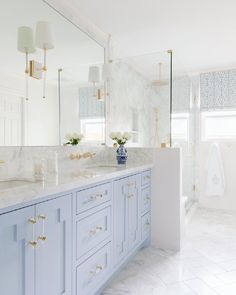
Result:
{"points": [[70, 174], [206, 264]]}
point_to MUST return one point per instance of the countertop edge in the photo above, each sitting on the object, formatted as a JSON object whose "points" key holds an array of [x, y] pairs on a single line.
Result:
{"points": [[46, 194]]}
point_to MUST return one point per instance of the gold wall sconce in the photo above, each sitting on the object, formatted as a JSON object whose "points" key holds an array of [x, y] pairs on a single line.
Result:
{"points": [[94, 77], [27, 45]]}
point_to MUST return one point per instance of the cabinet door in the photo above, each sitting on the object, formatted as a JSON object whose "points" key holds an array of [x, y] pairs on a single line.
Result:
{"points": [[120, 219], [134, 198], [53, 256], [16, 255]]}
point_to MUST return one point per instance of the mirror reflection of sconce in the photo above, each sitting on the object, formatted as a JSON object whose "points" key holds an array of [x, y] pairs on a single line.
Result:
{"points": [[26, 45], [94, 77]]}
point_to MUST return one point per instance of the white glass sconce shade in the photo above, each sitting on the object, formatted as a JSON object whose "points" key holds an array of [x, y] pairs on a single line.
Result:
{"points": [[25, 40], [43, 36], [94, 74], [106, 72]]}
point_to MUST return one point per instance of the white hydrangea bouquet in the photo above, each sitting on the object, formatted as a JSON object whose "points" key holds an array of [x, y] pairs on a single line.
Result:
{"points": [[74, 138], [120, 138]]}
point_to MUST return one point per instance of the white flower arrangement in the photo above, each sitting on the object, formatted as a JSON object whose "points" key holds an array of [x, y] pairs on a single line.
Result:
{"points": [[120, 138], [74, 138]]}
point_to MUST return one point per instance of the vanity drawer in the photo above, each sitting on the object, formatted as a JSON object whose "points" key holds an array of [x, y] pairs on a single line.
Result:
{"points": [[91, 273], [92, 230], [146, 199], [146, 177], [92, 197], [146, 226]]}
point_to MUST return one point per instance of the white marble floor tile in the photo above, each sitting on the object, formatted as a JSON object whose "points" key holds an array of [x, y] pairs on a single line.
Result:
{"points": [[176, 276], [199, 287], [228, 265], [206, 264], [226, 289], [178, 289], [228, 277]]}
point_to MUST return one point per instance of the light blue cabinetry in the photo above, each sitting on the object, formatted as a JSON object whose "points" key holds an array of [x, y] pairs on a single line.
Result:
{"points": [[53, 256], [127, 221], [133, 204], [73, 244], [120, 209], [17, 270], [35, 249]]}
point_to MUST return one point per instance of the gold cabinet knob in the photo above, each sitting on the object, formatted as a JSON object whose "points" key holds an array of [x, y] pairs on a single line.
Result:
{"points": [[32, 220], [42, 238], [33, 244]]}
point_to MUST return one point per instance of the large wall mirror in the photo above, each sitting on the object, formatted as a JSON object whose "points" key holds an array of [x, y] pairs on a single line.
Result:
{"points": [[50, 78]]}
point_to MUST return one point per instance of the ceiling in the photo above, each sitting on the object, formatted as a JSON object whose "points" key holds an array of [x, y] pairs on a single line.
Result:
{"points": [[202, 33]]}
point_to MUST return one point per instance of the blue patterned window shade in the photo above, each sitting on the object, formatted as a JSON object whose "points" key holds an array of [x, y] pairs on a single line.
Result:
{"points": [[181, 94], [89, 106], [218, 90]]}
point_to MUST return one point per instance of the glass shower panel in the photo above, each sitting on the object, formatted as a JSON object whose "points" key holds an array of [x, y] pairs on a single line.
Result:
{"points": [[140, 98], [184, 130]]}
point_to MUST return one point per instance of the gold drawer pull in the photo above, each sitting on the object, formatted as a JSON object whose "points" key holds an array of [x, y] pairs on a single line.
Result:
{"points": [[42, 237], [98, 269], [130, 196], [41, 216], [131, 183], [147, 177], [98, 196], [33, 242], [97, 230]]}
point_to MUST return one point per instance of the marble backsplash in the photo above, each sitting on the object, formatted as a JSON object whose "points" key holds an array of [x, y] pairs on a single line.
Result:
{"points": [[30, 162]]}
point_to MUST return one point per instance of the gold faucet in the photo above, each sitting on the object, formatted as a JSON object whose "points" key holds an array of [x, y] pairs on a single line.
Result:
{"points": [[79, 156], [2, 162]]}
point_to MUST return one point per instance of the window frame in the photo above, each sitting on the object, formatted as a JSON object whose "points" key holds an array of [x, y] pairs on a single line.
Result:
{"points": [[215, 114], [102, 120]]}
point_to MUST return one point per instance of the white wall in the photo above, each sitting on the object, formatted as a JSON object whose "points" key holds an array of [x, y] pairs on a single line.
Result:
{"points": [[228, 201], [166, 211]]}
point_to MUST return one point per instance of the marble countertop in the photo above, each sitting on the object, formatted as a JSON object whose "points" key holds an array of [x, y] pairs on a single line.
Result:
{"points": [[32, 192]]}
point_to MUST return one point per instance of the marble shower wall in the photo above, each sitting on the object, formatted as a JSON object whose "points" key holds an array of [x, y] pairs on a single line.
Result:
{"points": [[132, 93]]}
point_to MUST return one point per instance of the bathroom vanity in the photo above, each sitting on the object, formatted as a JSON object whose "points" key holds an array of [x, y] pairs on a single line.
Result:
{"points": [[71, 238]]}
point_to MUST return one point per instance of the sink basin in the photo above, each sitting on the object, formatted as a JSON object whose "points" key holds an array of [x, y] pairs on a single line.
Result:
{"points": [[14, 183], [104, 168]]}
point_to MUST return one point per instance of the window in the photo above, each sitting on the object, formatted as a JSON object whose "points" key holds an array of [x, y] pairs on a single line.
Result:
{"points": [[180, 126], [93, 129], [219, 125]]}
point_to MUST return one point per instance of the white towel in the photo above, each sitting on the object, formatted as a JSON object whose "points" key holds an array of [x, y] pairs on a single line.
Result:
{"points": [[215, 185]]}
